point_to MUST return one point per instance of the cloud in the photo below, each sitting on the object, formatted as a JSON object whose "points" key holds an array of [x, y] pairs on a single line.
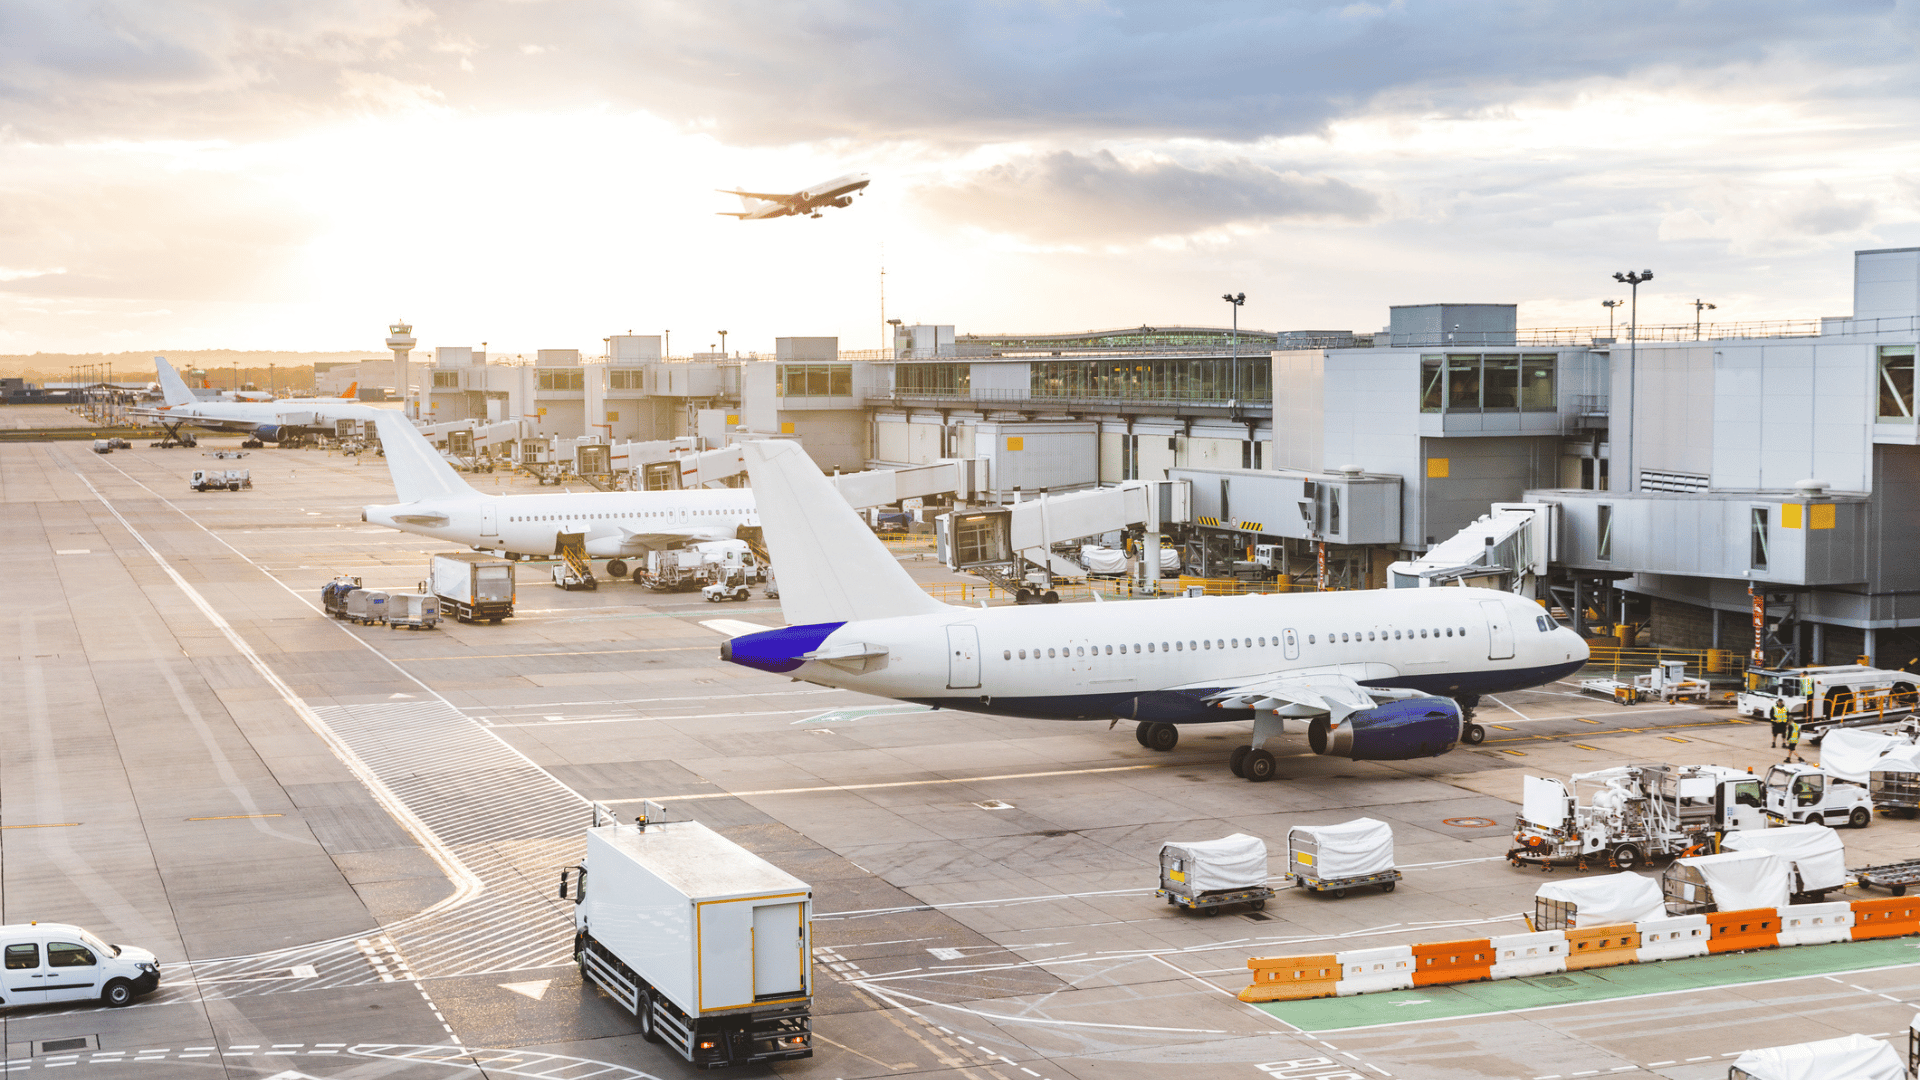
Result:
{"points": [[1752, 222], [1065, 197]]}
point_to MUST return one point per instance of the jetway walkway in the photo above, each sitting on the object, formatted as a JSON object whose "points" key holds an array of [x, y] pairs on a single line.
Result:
{"points": [[1506, 549], [1000, 542]]}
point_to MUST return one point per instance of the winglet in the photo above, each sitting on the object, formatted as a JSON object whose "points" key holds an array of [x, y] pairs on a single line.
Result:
{"points": [[172, 388], [831, 566], [418, 470]]}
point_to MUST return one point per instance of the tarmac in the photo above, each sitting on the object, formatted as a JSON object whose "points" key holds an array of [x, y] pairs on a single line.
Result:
{"points": [[343, 842]]}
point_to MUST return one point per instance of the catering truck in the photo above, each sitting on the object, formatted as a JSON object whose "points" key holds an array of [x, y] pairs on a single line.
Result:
{"points": [[1631, 813], [704, 942], [472, 586]]}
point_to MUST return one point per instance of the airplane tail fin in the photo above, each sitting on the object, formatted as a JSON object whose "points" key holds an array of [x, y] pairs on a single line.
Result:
{"points": [[418, 470], [831, 566], [353, 391], [172, 388]]}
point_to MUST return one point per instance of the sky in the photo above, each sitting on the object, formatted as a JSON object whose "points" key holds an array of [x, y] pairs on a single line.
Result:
{"points": [[542, 173]]}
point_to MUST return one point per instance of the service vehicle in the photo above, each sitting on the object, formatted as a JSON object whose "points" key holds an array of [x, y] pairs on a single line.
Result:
{"points": [[1632, 813], [119, 443], [1338, 858], [1667, 681], [1893, 781], [1798, 794], [103, 446], [220, 479], [1207, 875], [473, 586], [1826, 695], [704, 942], [698, 565], [732, 586], [48, 962]]}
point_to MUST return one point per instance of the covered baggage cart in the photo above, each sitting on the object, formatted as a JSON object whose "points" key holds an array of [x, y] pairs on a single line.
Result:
{"points": [[1205, 875], [1729, 881], [1854, 1057], [1818, 858], [1608, 900], [1335, 858], [366, 606], [415, 611], [1850, 754], [1894, 781]]}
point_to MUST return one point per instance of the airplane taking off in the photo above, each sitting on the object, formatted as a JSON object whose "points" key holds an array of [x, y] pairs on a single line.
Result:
{"points": [[809, 201], [265, 420], [613, 525], [1373, 676]]}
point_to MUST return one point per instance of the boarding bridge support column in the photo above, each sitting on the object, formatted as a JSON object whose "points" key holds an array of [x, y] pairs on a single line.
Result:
{"points": [[1150, 546]]}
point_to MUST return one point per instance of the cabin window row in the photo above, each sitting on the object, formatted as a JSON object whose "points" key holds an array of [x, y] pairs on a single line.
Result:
{"points": [[1381, 635], [1071, 651], [609, 517]]}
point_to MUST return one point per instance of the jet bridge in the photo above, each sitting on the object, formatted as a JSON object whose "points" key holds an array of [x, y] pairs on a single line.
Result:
{"points": [[1507, 549], [992, 540]]}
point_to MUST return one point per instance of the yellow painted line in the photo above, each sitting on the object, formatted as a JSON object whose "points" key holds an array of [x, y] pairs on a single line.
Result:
{"points": [[233, 817], [1584, 720], [49, 825], [1501, 727], [516, 655], [1613, 731], [1675, 738], [1584, 746], [1515, 753], [907, 783]]}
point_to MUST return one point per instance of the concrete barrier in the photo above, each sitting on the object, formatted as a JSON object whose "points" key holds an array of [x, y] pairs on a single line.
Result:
{"points": [[1452, 962], [1292, 978], [1672, 938], [1602, 946], [1515, 956], [1816, 924], [1739, 931], [1895, 916], [1369, 971]]}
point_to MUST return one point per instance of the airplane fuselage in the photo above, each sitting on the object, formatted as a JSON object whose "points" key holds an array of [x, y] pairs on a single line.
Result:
{"points": [[616, 523], [1157, 660]]}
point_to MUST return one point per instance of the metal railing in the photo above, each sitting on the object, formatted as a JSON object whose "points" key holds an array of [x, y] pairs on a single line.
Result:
{"points": [[1698, 661], [1260, 399]]}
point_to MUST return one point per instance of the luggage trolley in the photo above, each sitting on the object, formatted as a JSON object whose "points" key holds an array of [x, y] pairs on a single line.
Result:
{"points": [[1336, 858], [1207, 875]]}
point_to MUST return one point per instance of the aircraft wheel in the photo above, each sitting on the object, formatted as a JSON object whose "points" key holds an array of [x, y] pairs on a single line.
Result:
{"points": [[616, 568], [1162, 737], [1237, 761], [1259, 766], [1140, 732], [1473, 735]]}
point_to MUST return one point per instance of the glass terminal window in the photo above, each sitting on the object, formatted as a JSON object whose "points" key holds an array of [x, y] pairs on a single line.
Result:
{"points": [[1757, 516], [1896, 384], [1488, 382], [815, 380], [562, 379]]}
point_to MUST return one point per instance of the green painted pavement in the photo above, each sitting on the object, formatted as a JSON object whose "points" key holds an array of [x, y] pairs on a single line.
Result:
{"points": [[1596, 984]]}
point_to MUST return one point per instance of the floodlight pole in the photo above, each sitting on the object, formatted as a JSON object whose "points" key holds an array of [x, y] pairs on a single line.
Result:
{"points": [[1697, 306], [1233, 393], [1632, 280], [1610, 305]]}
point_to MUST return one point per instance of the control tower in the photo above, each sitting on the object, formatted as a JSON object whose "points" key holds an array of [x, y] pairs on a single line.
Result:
{"points": [[400, 340]]}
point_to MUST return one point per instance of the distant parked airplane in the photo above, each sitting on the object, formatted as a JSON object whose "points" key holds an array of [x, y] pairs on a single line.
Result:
{"points": [[809, 201]]}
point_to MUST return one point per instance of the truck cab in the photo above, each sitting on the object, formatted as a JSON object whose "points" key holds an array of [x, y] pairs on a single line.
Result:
{"points": [[1802, 794]]}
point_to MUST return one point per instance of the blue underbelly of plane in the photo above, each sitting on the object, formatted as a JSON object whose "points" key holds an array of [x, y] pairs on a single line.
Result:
{"points": [[1188, 706]]}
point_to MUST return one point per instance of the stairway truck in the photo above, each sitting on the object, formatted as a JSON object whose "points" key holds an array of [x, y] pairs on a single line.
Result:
{"points": [[473, 586], [704, 942]]}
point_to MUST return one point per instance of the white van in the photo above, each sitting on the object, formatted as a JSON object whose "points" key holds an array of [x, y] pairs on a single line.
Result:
{"points": [[48, 962]]}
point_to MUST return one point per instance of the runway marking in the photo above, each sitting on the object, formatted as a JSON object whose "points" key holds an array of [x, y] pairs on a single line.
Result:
{"points": [[904, 783], [522, 655], [49, 825], [234, 817]]}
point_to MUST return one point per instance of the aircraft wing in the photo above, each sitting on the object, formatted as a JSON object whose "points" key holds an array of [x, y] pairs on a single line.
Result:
{"points": [[665, 538], [761, 195], [1305, 694]]}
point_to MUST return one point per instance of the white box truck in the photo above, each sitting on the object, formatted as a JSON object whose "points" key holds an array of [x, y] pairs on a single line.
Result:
{"points": [[473, 586], [706, 943]]}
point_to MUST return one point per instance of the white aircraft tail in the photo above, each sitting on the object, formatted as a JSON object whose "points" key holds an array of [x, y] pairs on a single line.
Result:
{"points": [[418, 470], [831, 566], [172, 387]]}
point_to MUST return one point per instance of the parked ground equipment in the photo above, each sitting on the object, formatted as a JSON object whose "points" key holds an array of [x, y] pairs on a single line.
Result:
{"points": [[733, 586], [333, 595], [103, 446], [1852, 1057], [1607, 900], [473, 586], [1798, 794], [220, 479], [574, 570], [1336, 858], [366, 606], [1632, 813], [1893, 781], [1818, 858], [51, 962], [1851, 753], [772, 588], [705, 943], [1729, 881], [415, 611], [1896, 878], [1667, 681], [1827, 695], [1207, 875]]}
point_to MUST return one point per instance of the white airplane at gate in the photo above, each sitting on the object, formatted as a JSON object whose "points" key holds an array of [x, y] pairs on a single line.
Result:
{"points": [[1375, 675], [618, 525], [268, 420]]}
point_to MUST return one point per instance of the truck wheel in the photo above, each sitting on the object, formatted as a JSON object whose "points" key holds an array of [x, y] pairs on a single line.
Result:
{"points": [[647, 1029], [1860, 818], [1259, 766], [1237, 761], [1627, 857], [118, 994]]}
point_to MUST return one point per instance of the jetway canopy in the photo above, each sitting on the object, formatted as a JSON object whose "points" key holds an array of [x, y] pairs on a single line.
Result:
{"points": [[998, 535], [1508, 548], [1348, 507]]}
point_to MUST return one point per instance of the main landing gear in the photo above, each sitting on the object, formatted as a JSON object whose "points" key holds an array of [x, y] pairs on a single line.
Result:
{"points": [[1253, 762], [1154, 736]]}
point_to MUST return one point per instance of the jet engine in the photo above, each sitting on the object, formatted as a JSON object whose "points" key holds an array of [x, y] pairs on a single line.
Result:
{"points": [[268, 432], [842, 201], [1413, 727]]}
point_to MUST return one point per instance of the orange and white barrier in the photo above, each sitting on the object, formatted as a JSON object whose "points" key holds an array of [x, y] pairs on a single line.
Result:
{"points": [[1544, 952]]}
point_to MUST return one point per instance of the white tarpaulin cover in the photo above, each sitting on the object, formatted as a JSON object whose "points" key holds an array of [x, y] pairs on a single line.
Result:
{"points": [[1855, 1057], [1100, 560], [1603, 901], [1850, 755], [1231, 862], [1901, 759], [1349, 849], [1744, 879], [1544, 802], [1815, 849]]}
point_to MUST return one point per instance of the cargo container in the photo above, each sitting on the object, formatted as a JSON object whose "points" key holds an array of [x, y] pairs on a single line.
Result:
{"points": [[473, 586]]}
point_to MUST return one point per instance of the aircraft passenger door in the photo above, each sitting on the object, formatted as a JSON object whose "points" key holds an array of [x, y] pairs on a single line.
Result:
{"points": [[1293, 644], [489, 519], [1499, 630], [963, 657]]}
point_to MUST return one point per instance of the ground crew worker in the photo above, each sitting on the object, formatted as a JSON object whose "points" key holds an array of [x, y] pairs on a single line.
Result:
{"points": [[1779, 722], [1793, 737]]}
